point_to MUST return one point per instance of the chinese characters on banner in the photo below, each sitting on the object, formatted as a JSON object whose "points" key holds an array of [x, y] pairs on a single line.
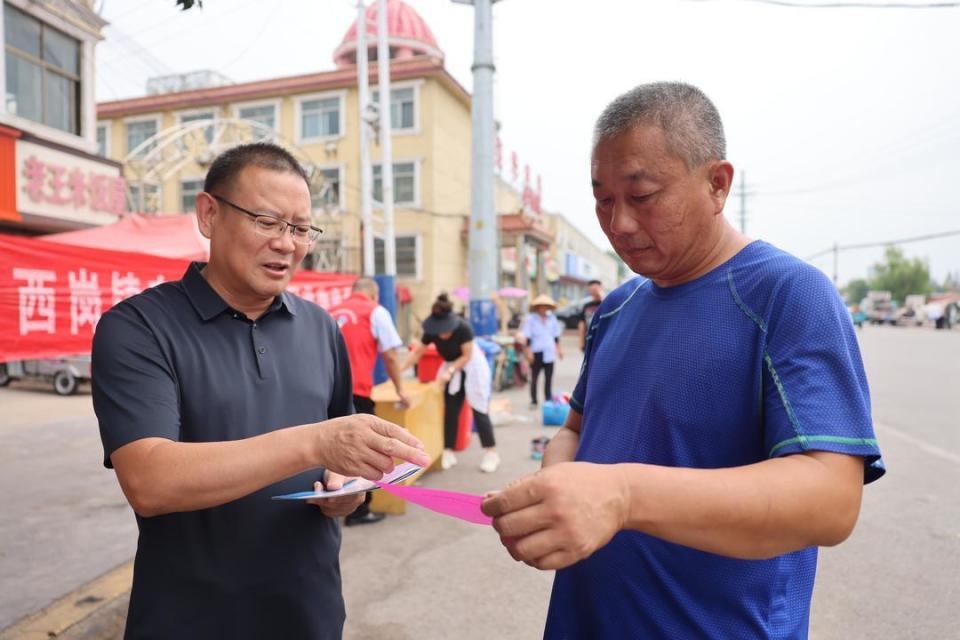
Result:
{"points": [[52, 295], [46, 182]]}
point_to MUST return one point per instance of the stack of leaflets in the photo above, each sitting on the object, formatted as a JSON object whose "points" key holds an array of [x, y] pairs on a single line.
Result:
{"points": [[357, 485]]}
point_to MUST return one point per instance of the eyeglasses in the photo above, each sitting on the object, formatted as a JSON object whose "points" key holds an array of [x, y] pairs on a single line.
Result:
{"points": [[273, 227]]}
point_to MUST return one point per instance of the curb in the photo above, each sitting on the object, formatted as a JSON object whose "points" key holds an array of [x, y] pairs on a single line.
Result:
{"points": [[74, 607]]}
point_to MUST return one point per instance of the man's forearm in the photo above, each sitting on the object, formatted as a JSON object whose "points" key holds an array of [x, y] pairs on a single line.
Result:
{"points": [[172, 476], [756, 511], [563, 445], [392, 363]]}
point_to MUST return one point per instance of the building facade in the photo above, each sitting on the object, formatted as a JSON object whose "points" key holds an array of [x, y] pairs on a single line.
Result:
{"points": [[318, 116], [576, 260], [51, 178], [167, 138]]}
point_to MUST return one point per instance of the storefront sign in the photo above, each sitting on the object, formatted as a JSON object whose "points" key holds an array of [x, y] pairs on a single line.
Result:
{"points": [[56, 184]]}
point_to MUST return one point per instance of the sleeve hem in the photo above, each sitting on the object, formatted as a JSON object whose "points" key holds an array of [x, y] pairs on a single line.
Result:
{"points": [[826, 443]]}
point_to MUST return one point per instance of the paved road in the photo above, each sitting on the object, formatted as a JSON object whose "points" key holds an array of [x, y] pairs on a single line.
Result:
{"points": [[422, 576], [64, 519], [898, 576]]}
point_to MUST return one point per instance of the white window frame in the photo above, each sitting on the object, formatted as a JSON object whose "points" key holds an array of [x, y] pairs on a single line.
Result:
{"points": [[159, 188], [416, 184], [86, 139], [192, 112], [155, 117], [298, 115], [107, 140], [418, 252], [409, 84], [199, 179], [276, 104], [342, 170]]}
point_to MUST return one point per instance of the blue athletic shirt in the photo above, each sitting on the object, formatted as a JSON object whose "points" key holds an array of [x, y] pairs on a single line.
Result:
{"points": [[754, 360]]}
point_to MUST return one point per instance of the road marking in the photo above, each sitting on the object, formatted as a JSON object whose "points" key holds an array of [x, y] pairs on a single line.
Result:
{"points": [[77, 605], [932, 449]]}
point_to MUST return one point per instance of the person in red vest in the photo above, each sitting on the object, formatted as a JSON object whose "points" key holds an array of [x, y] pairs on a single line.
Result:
{"points": [[368, 329]]}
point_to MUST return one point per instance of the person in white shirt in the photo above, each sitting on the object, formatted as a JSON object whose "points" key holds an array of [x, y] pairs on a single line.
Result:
{"points": [[541, 335]]}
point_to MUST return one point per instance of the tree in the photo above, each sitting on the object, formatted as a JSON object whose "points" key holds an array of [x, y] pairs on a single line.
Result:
{"points": [[900, 276], [952, 282], [856, 290]]}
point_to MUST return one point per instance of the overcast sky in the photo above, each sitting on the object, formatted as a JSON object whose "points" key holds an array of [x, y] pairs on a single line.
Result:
{"points": [[845, 121]]}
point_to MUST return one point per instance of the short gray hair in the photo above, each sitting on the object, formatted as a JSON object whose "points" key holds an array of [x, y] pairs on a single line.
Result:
{"points": [[689, 120], [366, 285]]}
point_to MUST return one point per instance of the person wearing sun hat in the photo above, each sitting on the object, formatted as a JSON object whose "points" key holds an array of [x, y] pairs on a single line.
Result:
{"points": [[541, 336], [465, 375]]}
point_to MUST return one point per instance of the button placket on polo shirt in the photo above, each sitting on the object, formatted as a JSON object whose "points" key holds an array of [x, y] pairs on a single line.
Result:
{"points": [[260, 350]]}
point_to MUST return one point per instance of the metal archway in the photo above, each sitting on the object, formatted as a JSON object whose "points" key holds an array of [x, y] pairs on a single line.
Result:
{"points": [[162, 156]]}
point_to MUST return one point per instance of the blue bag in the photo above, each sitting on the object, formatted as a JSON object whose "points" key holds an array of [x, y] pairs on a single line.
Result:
{"points": [[555, 413]]}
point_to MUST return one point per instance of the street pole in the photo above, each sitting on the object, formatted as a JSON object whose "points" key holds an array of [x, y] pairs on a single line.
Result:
{"points": [[743, 202], [484, 271], [386, 146], [836, 262], [366, 169], [387, 280]]}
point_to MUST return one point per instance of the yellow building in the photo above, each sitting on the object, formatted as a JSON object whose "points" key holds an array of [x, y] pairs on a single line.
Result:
{"points": [[175, 127], [318, 115]]}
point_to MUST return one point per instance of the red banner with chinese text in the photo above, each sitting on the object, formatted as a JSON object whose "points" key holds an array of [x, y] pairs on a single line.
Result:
{"points": [[52, 295]]}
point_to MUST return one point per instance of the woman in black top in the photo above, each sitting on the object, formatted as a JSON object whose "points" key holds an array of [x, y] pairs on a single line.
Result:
{"points": [[453, 338]]}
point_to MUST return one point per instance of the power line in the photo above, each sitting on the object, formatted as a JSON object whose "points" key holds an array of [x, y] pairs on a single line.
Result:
{"points": [[185, 30], [130, 10], [891, 152], [274, 11], [860, 5], [872, 245], [149, 60]]}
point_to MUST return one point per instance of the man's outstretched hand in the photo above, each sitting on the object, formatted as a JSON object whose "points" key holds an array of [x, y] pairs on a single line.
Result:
{"points": [[561, 514], [366, 446]]}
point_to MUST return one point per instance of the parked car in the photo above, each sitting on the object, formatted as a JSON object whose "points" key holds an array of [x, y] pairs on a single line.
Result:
{"points": [[879, 307], [65, 374], [570, 314]]}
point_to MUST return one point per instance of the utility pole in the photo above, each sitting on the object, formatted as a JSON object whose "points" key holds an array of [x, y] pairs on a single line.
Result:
{"points": [[836, 263], [366, 169], [386, 281], [386, 151], [484, 269], [743, 202]]}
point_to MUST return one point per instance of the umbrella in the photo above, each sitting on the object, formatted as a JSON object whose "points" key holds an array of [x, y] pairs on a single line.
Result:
{"points": [[461, 292], [512, 292]]}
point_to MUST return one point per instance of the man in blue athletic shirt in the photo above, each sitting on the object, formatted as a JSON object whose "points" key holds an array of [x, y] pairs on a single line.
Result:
{"points": [[721, 425]]}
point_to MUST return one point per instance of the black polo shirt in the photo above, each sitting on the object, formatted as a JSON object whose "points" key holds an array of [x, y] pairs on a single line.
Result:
{"points": [[176, 362]]}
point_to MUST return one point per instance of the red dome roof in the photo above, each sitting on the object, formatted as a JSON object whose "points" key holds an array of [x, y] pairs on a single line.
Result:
{"points": [[407, 34]]}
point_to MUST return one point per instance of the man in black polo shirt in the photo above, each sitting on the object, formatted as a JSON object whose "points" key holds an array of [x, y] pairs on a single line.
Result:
{"points": [[215, 393]]}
